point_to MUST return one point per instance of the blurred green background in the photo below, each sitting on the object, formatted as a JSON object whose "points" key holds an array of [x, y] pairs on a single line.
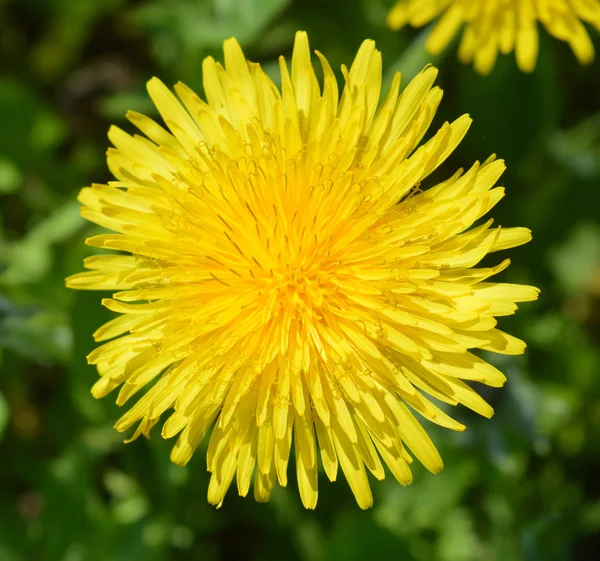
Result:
{"points": [[523, 486]]}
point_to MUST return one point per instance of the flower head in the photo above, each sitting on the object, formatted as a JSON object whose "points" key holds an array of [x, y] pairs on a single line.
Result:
{"points": [[494, 26], [284, 280]]}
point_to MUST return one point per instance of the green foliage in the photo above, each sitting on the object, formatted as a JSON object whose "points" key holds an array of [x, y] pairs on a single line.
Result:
{"points": [[522, 486]]}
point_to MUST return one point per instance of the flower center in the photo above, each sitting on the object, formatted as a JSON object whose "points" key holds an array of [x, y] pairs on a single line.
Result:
{"points": [[300, 288], [304, 289]]}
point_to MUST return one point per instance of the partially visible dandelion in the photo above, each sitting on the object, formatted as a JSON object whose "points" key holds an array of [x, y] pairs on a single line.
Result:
{"points": [[501, 26], [284, 279]]}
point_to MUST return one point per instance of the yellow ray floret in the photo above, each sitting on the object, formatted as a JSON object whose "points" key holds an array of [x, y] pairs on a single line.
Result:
{"points": [[501, 26], [285, 280]]}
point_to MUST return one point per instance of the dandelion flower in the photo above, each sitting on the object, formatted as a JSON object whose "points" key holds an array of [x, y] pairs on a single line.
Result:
{"points": [[284, 280], [494, 26]]}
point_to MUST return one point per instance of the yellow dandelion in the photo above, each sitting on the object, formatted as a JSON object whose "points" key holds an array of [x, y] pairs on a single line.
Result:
{"points": [[285, 280], [494, 26]]}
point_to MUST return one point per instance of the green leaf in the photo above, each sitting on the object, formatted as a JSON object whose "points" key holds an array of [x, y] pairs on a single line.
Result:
{"points": [[417, 507], [114, 107], [197, 26], [578, 148], [458, 538], [35, 129], [11, 177], [577, 258], [358, 538], [30, 259], [43, 337]]}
